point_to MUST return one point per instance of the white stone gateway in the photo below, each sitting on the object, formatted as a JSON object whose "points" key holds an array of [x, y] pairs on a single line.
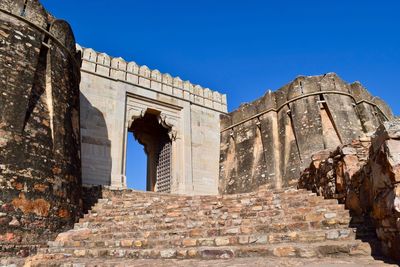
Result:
{"points": [[177, 122]]}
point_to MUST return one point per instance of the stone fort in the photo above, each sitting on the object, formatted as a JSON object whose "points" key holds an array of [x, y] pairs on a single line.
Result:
{"points": [[308, 173]]}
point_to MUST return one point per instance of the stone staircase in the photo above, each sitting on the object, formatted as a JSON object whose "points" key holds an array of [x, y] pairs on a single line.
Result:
{"points": [[136, 225]]}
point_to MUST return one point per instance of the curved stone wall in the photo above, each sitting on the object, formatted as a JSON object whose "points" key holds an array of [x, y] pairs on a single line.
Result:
{"points": [[270, 140], [40, 174]]}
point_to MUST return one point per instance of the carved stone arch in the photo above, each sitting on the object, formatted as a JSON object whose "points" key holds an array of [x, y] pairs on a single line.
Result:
{"points": [[169, 123], [157, 131], [134, 114]]}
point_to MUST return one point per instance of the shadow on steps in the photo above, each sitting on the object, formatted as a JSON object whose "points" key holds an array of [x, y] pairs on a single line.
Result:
{"points": [[366, 232]]}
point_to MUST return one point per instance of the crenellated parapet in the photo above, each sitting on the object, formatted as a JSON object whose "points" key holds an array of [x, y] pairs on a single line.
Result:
{"points": [[300, 88], [140, 75], [270, 140]]}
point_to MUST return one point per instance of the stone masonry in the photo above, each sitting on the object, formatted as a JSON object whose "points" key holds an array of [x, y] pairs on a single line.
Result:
{"points": [[116, 93], [130, 225], [365, 177], [40, 169], [232, 179], [271, 140]]}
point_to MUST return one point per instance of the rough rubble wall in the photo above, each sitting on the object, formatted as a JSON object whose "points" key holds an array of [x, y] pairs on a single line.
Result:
{"points": [[332, 172], [270, 140], [366, 177], [39, 126]]}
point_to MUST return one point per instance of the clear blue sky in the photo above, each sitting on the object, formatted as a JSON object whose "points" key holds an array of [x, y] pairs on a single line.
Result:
{"points": [[243, 48]]}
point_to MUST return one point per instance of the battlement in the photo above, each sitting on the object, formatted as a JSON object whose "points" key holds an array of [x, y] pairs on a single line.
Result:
{"points": [[130, 72], [303, 87]]}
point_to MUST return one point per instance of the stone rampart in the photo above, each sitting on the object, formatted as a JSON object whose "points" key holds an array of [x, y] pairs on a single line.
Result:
{"points": [[270, 140], [40, 171]]}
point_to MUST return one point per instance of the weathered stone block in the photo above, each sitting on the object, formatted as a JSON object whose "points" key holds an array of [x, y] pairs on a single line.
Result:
{"points": [[189, 242], [287, 251], [222, 241]]}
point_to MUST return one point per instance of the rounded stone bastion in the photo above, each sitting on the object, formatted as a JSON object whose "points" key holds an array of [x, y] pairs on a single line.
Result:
{"points": [[40, 168]]}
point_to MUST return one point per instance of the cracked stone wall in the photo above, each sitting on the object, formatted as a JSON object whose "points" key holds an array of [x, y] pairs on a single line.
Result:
{"points": [[270, 140], [40, 173]]}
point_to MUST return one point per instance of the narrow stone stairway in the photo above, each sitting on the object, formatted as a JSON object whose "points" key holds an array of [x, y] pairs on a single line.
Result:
{"points": [[133, 225]]}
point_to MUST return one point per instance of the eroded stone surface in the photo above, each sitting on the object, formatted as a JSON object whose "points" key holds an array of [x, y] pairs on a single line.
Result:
{"points": [[271, 140], [39, 128], [365, 177]]}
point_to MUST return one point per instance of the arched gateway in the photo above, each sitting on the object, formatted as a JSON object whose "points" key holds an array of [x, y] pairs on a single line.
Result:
{"points": [[157, 136], [177, 123]]}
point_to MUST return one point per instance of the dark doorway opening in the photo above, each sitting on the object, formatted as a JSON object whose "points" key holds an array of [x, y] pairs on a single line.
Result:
{"points": [[154, 137]]}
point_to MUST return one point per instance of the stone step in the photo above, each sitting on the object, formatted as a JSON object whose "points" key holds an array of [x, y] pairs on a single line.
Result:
{"points": [[132, 241], [266, 261], [242, 211], [281, 232], [305, 207], [140, 203], [278, 227], [136, 225], [224, 218], [254, 216], [129, 193], [143, 201], [302, 250], [245, 210], [199, 234]]}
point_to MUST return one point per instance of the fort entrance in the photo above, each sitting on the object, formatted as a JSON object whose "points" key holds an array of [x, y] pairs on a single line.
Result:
{"points": [[177, 122], [154, 136]]}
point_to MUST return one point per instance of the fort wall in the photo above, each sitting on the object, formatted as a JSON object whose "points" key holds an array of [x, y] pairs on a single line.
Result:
{"points": [[40, 170], [66, 112], [271, 140]]}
